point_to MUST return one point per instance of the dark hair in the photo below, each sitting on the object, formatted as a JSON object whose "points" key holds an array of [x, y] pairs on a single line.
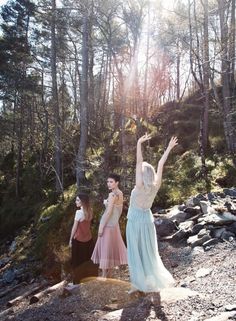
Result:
{"points": [[84, 198], [116, 177]]}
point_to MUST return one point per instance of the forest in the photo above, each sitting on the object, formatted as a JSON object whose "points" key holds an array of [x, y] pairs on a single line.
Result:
{"points": [[80, 81]]}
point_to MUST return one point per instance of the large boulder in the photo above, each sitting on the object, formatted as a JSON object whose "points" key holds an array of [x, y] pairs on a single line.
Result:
{"points": [[192, 211], [230, 191], [176, 215], [195, 201], [206, 207], [197, 228], [164, 226], [232, 228], [186, 226], [227, 235], [218, 218], [197, 240]]}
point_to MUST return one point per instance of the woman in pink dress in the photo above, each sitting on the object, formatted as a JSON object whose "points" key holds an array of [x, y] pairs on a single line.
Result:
{"points": [[110, 250]]}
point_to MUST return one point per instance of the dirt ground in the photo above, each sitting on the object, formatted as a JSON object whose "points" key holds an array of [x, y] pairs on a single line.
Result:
{"points": [[205, 290]]}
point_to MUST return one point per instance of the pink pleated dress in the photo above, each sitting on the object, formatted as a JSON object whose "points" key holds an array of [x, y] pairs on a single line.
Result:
{"points": [[110, 250]]}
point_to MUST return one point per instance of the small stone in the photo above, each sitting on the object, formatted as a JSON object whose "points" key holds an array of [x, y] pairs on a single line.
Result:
{"points": [[110, 307], [230, 307], [112, 316], [203, 272], [197, 250]]}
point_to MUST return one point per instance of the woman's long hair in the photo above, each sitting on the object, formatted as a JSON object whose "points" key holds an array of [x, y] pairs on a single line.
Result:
{"points": [[148, 175], [88, 212]]}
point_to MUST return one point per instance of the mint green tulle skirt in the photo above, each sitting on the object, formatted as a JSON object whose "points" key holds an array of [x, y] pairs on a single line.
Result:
{"points": [[147, 272]]}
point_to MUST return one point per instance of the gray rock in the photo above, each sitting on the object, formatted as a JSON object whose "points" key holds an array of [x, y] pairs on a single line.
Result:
{"points": [[230, 206], [218, 219], [232, 228], [197, 250], [196, 241], [4, 261], [179, 235], [164, 226], [227, 235], [210, 243], [193, 201], [9, 276], [211, 196], [230, 307], [179, 217], [186, 226], [216, 233], [203, 232], [192, 211], [203, 272], [224, 316], [230, 191], [220, 194], [205, 207], [182, 207], [197, 228]]}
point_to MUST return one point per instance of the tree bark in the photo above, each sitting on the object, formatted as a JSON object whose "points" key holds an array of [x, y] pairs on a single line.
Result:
{"points": [[206, 72], [55, 103], [81, 155], [225, 76]]}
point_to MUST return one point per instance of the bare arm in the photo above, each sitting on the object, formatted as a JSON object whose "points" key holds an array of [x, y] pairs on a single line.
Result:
{"points": [[173, 142], [107, 214], [139, 160]]}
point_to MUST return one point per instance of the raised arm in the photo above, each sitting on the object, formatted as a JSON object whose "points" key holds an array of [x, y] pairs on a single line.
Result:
{"points": [[107, 214], [139, 160], [173, 142]]}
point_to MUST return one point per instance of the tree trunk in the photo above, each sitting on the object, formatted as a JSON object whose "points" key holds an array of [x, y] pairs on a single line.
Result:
{"points": [[178, 73], [225, 74], [81, 156], [206, 73], [55, 102], [145, 96]]}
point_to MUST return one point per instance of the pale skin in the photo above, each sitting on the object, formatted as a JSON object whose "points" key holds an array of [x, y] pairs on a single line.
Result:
{"points": [[139, 160], [158, 174], [115, 197]]}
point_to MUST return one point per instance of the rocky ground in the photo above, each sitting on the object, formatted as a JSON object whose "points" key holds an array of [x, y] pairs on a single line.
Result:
{"points": [[197, 242], [205, 290]]}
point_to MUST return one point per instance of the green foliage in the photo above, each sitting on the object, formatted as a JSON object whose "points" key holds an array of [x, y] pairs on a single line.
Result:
{"points": [[15, 214], [181, 180]]}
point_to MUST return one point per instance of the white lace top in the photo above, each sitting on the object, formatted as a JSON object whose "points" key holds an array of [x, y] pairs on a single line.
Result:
{"points": [[143, 197], [115, 215]]}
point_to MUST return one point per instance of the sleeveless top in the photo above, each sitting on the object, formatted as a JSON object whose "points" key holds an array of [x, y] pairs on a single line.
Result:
{"points": [[115, 215], [143, 197], [83, 232]]}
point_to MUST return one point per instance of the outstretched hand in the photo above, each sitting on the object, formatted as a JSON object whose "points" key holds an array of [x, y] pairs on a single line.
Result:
{"points": [[173, 142], [144, 138]]}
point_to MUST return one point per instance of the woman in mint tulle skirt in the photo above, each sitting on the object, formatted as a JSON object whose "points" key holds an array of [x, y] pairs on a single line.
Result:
{"points": [[147, 272]]}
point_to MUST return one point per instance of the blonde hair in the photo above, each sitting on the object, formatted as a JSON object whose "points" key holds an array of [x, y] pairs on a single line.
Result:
{"points": [[149, 175]]}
